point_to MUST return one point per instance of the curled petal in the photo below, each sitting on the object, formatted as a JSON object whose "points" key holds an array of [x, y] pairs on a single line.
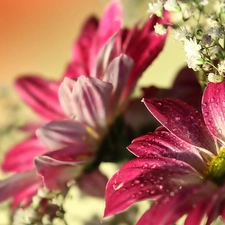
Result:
{"points": [[213, 105], [57, 173], [40, 95], [183, 121], [141, 179], [59, 134]]}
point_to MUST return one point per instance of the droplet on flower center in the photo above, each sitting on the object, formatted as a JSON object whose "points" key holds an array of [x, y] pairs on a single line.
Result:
{"points": [[216, 170]]}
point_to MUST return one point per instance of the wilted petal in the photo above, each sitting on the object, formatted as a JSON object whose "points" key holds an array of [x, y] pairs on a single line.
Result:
{"points": [[59, 134], [186, 122], [91, 101], [20, 157], [40, 95], [213, 108], [57, 173], [165, 144], [93, 183], [168, 209], [116, 74], [141, 179], [19, 187]]}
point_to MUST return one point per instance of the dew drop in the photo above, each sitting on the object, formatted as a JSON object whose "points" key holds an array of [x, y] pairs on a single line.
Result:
{"points": [[177, 118], [212, 99], [137, 182], [172, 193], [145, 166]]}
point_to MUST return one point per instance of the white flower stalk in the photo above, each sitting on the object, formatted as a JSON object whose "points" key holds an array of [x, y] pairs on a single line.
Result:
{"points": [[203, 2], [160, 29], [156, 8], [221, 67]]}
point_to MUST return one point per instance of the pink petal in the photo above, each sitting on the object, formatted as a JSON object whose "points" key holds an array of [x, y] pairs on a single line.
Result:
{"points": [[183, 121], [91, 101], [107, 53], [40, 95], [57, 173], [65, 97], [93, 183], [141, 179], [170, 208], [143, 46], [117, 74], [165, 144], [110, 23], [59, 134], [20, 157], [213, 105], [18, 186]]}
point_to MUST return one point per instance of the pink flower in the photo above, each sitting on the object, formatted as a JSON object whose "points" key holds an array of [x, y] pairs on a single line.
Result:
{"points": [[92, 54], [180, 166]]}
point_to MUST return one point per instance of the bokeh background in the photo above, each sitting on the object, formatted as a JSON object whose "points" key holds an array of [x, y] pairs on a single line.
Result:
{"points": [[36, 38]]}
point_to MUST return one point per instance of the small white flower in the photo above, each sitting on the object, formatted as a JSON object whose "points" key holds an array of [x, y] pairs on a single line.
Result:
{"points": [[194, 61], [180, 34], [221, 66], [171, 5], [191, 47], [216, 32], [155, 8], [160, 29], [214, 78]]}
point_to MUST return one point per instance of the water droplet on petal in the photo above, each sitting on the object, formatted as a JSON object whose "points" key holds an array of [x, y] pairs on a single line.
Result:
{"points": [[177, 118], [145, 166]]}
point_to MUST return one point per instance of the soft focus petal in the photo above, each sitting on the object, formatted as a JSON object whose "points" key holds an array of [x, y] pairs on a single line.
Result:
{"points": [[20, 157], [186, 122], [165, 144], [59, 134], [91, 101], [40, 95], [19, 187], [141, 179], [170, 208], [117, 74], [65, 96], [57, 173], [213, 105], [93, 183]]}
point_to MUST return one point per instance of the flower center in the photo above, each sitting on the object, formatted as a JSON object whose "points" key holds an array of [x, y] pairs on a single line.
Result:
{"points": [[216, 171]]}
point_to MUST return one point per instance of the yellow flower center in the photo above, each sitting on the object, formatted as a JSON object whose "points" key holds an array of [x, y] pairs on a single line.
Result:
{"points": [[216, 169]]}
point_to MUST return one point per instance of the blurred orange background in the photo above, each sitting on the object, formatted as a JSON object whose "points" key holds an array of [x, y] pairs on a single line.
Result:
{"points": [[36, 35]]}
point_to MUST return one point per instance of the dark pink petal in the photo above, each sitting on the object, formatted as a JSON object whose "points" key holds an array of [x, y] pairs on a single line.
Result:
{"points": [[57, 173], [182, 120], [143, 46], [80, 51], [141, 179], [20, 157], [165, 144], [91, 101], [168, 209], [110, 23], [31, 126], [209, 207], [116, 74], [93, 183], [19, 187], [41, 95], [213, 108], [59, 134]]}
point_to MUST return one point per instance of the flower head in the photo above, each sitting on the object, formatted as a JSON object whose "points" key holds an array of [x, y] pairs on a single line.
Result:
{"points": [[180, 166], [89, 100]]}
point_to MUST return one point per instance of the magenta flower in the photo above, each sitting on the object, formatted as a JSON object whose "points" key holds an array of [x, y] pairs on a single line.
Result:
{"points": [[92, 54], [180, 166]]}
